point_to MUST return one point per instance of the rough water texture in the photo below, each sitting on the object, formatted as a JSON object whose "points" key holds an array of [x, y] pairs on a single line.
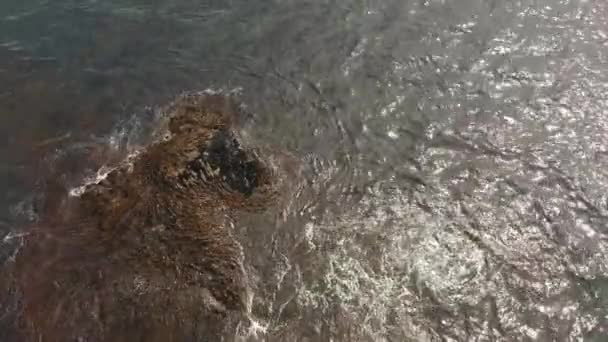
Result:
{"points": [[453, 152], [147, 254]]}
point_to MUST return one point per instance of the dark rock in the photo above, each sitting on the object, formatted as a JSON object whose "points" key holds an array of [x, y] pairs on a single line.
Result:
{"points": [[148, 254]]}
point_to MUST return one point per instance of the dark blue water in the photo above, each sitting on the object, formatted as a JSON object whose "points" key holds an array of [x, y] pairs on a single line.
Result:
{"points": [[457, 150]]}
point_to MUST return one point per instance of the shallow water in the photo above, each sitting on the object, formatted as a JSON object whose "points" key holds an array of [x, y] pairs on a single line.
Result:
{"points": [[455, 152]]}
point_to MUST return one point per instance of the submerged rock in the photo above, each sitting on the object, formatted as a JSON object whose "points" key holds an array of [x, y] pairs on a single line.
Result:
{"points": [[147, 254]]}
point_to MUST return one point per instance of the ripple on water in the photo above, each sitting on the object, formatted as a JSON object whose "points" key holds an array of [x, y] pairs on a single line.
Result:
{"points": [[455, 184]]}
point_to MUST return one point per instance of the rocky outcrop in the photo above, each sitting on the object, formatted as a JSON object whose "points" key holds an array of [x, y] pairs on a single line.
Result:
{"points": [[148, 254]]}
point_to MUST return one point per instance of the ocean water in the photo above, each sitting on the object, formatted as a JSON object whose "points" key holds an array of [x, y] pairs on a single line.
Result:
{"points": [[456, 151]]}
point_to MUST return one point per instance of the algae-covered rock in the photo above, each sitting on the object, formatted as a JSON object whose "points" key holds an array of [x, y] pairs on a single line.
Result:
{"points": [[148, 253]]}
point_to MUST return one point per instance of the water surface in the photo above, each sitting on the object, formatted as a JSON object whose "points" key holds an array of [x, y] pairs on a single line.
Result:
{"points": [[456, 151]]}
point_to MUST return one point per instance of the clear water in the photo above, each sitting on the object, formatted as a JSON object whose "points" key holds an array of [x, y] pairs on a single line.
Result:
{"points": [[457, 150]]}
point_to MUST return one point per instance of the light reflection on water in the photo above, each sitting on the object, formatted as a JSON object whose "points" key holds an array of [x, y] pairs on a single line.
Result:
{"points": [[455, 152]]}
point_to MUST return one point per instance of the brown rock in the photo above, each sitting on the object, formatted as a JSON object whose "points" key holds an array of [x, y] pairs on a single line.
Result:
{"points": [[147, 254]]}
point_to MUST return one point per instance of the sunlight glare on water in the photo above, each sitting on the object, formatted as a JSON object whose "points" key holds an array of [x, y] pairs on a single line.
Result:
{"points": [[454, 152]]}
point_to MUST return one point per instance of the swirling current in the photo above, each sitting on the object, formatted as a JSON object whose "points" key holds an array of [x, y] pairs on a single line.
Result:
{"points": [[455, 152]]}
